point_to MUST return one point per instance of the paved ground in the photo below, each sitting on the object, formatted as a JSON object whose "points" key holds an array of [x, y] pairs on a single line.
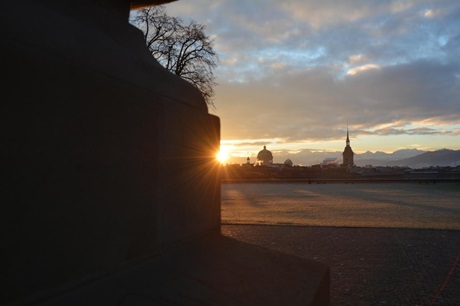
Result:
{"points": [[372, 266]]}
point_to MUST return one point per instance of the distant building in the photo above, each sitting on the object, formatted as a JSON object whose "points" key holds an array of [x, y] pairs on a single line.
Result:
{"points": [[265, 157], [288, 163], [248, 163], [348, 154]]}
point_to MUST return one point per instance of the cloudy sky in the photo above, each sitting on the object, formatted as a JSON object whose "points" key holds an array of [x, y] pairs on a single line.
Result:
{"points": [[292, 74]]}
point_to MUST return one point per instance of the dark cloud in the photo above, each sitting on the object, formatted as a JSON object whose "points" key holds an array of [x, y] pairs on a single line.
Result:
{"points": [[415, 131], [303, 70], [314, 105]]}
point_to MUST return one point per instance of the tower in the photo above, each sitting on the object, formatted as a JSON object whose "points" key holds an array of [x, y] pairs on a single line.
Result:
{"points": [[348, 153]]}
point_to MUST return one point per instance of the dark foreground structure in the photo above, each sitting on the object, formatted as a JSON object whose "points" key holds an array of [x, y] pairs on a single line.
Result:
{"points": [[112, 194]]}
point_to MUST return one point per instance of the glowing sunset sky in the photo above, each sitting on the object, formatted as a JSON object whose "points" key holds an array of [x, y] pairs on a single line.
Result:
{"points": [[292, 74]]}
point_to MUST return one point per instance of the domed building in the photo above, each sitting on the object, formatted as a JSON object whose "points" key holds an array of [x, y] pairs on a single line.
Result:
{"points": [[265, 157], [288, 163]]}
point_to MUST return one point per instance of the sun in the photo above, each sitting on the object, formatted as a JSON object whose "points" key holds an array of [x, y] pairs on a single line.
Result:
{"points": [[222, 155]]}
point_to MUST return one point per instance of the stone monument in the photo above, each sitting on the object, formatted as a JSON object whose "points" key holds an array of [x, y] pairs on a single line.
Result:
{"points": [[101, 146]]}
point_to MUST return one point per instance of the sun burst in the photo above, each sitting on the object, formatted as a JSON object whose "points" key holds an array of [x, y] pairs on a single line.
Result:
{"points": [[222, 155]]}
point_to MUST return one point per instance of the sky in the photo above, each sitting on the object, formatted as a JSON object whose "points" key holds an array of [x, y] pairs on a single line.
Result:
{"points": [[293, 74]]}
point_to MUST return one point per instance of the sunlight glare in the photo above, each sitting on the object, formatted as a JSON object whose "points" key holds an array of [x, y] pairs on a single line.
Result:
{"points": [[222, 155]]}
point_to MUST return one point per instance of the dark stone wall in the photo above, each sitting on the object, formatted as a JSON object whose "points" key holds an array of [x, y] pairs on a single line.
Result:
{"points": [[107, 157]]}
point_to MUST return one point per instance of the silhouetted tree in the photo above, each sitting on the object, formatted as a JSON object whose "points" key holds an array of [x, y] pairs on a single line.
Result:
{"points": [[185, 50]]}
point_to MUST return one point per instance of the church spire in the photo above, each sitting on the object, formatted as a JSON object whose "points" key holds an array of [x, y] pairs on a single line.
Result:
{"points": [[348, 138], [348, 153]]}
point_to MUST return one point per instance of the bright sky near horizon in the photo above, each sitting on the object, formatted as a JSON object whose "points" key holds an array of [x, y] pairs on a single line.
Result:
{"points": [[292, 74]]}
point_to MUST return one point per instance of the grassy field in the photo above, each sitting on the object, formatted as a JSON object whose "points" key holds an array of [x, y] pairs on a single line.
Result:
{"points": [[395, 205]]}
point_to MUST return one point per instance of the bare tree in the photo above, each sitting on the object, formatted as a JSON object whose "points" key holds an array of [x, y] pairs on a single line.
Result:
{"points": [[185, 50]]}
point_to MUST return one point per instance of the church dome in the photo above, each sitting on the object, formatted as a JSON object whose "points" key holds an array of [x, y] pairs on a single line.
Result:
{"points": [[288, 163], [265, 157]]}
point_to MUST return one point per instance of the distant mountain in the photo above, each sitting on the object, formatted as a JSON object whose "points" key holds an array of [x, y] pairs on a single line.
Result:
{"points": [[400, 154], [383, 159], [306, 157], [421, 159], [440, 158]]}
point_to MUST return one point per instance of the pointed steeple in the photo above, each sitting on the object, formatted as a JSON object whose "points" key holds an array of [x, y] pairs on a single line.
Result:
{"points": [[348, 138]]}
